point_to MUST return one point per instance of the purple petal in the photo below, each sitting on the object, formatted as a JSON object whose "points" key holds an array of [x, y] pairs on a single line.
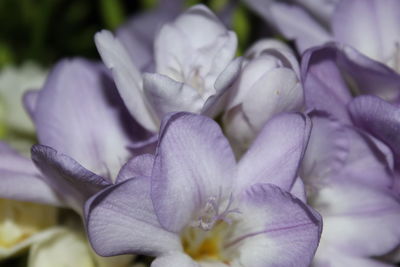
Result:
{"points": [[29, 101], [298, 190], [370, 76], [20, 180], [74, 183], [379, 118], [79, 113], [368, 161], [275, 155], [307, 34], [193, 162], [121, 220], [276, 222], [327, 149], [351, 209], [324, 87], [147, 146], [141, 165], [340, 258], [370, 26]]}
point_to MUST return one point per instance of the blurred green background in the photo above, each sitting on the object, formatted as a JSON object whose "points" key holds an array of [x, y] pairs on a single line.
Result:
{"points": [[47, 30]]}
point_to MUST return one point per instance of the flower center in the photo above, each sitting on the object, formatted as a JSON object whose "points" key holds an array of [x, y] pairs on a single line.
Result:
{"points": [[206, 237]]}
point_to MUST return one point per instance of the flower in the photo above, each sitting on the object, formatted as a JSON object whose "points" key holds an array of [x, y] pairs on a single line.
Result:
{"points": [[268, 83], [198, 207], [349, 180], [193, 68], [366, 31], [82, 129]]}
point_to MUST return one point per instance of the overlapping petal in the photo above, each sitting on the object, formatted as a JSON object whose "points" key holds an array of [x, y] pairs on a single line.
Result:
{"points": [[79, 113], [275, 155], [197, 143], [278, 229], [68, 178], [324, 87], [121, 220], [379, 118]]}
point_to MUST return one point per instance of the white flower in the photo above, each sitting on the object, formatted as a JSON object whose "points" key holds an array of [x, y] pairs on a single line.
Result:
{"points": [[269, 83], [193, 62]]}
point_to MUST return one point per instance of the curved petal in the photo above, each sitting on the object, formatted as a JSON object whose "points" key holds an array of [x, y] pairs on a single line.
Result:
{"points": [[275, 155], [167, 95], [337, 258], [74, 183], [127, 78], [307, 34], [193, 162], [195, 49], [370, 76], [29, 100], [277, 91], [20, 180], [367, 161], [141, 165], [298, 190], [215, 103], [370, 26], [351, 209], [379, 118], [275, 48], [327, 150], [121, 220], [324, 87], [275, 223], [79, 113]]}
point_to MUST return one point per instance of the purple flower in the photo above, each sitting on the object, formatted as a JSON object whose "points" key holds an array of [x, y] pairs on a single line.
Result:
{"points": [[84, 132], [370, 26], [193, 64], [201, 208], [366, 32], [349, 180]]}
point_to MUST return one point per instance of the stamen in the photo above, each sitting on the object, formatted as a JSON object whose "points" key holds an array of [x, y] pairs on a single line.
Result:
{"points": [[210, 214]]}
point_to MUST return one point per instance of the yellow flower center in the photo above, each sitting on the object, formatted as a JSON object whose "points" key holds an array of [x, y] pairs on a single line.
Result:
{"points": [[207, 237], [204, 245]]}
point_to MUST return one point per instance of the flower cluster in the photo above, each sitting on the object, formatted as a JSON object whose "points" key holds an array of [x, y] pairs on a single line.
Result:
{"points": [[176, 149]]}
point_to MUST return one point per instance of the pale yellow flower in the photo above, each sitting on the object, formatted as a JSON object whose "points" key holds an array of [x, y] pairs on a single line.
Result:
{"points": [[23, 223], [69, 248], [16, 127]]}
